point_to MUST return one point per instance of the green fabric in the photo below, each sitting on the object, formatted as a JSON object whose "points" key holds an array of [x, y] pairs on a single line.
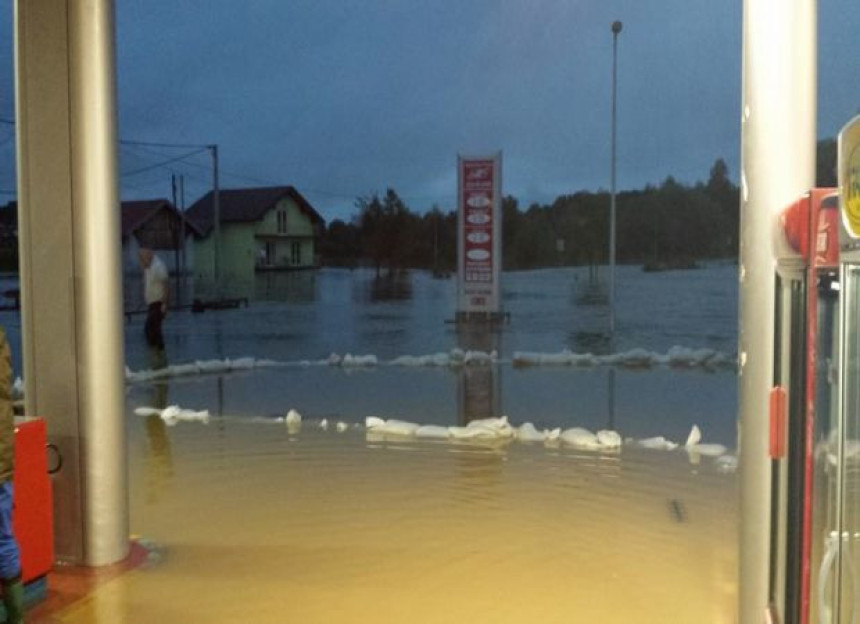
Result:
{"points": [[7, 421], [13, 602]]}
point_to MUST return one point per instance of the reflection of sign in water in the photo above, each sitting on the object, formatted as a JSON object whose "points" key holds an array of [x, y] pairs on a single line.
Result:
{"points": [[479, 386], [849, 176], [479, 240], [478, 390]]}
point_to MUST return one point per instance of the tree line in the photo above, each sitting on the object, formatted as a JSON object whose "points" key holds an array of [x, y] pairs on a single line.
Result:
{"points": [[671, 224]]}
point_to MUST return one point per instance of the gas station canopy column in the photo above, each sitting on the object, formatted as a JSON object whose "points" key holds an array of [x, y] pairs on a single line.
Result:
{"points": [[778, 164], [71, 282]]}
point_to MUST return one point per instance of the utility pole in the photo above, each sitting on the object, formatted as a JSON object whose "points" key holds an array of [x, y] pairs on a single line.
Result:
{"points": [[216, 211], [176, 244], [183, 232]]}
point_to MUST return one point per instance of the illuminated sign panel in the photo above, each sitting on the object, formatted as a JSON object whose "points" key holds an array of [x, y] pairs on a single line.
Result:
{"points": [[479, 233]]}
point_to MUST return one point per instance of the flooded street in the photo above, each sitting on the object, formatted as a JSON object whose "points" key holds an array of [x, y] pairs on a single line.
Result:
{"points": [[246, 519], [252, 523]]}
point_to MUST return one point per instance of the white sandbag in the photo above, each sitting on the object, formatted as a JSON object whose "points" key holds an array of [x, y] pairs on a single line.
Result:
{"points": [[432, 432], [695, 436], [658, 443], [608, 439], [577, 436], [527, 432]]}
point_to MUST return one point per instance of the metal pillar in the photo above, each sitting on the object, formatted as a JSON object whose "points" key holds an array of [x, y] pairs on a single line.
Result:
{"points": [[71, 282], [778, 164]]}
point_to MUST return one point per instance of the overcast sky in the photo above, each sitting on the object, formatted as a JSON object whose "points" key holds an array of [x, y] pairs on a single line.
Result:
{"points": [[342, 98]]}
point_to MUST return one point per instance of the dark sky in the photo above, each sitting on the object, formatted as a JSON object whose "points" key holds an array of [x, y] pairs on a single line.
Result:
{"points": [[342, 98]]}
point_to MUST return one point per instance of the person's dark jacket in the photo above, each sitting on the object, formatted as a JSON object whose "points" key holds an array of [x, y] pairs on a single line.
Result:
{"points": [[7, 420]]}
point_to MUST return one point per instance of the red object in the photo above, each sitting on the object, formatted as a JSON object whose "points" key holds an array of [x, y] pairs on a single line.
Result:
{"points": [[478, 188], [817, 208], [827, 230], [778, 415], [823, 239], [795, 225], [32, 517]]}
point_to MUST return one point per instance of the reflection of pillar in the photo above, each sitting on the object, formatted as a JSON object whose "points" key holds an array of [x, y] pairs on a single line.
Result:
{"points": [[71, 280], [478, 385], [611, 420]]}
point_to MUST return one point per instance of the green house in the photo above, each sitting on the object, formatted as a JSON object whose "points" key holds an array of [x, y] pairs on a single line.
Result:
{"points": [[262, 229]]}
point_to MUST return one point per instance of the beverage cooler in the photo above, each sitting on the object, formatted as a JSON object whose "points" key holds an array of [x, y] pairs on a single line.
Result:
{"points": [[814, 568], [802, 405]]}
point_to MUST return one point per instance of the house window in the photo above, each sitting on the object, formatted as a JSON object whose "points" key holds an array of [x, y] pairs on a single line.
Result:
{"points": [[296, 253], [282, 221]]}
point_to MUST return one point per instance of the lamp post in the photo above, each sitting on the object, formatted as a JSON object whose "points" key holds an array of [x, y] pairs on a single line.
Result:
{"points": [[616, 29]]}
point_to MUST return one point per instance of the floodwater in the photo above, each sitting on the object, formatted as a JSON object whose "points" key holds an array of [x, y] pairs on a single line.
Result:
{"points": [[351, 312], [250, 521]]}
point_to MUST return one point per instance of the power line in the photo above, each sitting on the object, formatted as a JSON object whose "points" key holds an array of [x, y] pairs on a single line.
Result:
{"points": [[12, 122], [198, 148], [168, 145], [161, 164]]}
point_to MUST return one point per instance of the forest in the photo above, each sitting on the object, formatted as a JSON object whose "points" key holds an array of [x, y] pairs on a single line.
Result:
{"points": [[667, 225], [672, 225]]}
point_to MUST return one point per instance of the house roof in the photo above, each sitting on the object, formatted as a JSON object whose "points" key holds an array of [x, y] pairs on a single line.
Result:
{"points": [[247, 205], [135, 214]]}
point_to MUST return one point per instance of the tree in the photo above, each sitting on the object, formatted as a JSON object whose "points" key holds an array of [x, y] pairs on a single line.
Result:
{"points": [[826, 163], [370, 222]]}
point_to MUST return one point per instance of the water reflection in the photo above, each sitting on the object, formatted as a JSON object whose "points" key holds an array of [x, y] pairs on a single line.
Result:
{"points": [[289, 286], [479, 387], [387, 286], [583, 341], [279, 286], [378, 524], [159, 464]]}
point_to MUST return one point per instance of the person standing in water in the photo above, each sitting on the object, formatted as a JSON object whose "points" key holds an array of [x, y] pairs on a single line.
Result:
{"points": [[156, 290], [10, 557]]}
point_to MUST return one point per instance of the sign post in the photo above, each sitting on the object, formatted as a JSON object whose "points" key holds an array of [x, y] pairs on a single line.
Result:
{"points": [[479, 237]]}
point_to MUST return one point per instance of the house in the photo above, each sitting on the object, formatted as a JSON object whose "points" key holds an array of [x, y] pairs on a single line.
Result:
{"points": [[262, 229], [157, 224]]}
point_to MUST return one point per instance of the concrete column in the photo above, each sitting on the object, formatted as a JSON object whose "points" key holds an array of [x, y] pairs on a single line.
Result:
{"points": [[778, 164], [71, 270]]}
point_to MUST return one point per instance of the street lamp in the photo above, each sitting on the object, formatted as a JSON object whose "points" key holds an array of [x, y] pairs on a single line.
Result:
{"points": [[616, 29]]}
